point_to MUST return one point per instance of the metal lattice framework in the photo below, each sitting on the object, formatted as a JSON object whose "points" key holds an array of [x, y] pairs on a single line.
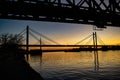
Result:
{"points": [[96, 12]]}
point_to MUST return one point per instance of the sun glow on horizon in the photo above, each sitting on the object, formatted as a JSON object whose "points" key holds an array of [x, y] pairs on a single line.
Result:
{"points": [[63, 33]]}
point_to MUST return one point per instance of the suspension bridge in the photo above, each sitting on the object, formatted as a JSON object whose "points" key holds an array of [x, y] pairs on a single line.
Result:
{"points": [[95, 12], [92, 41]]}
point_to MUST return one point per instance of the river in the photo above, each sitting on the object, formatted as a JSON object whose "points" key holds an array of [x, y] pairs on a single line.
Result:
{"points": [[84, 65]]}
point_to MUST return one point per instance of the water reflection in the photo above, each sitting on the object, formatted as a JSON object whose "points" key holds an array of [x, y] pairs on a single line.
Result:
{"points": [[96, 65], [41, 59], [38, 59], [69, 58], [96, 60]]}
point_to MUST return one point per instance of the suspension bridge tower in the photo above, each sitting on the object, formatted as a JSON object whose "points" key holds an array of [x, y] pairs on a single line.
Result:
{"points": [[95, 40], [27, 41]]}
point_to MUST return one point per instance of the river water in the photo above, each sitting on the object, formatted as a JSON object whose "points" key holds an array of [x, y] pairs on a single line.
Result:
{"points": [[84, 65]]}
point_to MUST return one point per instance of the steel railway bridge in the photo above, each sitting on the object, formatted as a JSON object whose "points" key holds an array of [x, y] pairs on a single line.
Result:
{"points": [[95, 12]]}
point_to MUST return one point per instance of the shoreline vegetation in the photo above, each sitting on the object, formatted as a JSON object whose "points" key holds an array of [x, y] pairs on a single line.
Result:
{"points": [[13, 65]]}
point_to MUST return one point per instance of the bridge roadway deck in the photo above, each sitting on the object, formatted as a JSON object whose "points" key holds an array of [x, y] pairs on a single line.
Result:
{"points": [[69, 45]]}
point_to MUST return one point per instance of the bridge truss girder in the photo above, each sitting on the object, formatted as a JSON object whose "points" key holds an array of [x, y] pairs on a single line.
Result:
{"points": [[96, 12]]}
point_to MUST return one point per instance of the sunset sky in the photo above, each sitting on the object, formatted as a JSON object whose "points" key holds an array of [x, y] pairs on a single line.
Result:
{"points": [[63, 33]]}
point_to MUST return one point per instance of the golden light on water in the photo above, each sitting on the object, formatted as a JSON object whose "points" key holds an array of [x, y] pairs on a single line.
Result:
{"points": [[78, 59]]}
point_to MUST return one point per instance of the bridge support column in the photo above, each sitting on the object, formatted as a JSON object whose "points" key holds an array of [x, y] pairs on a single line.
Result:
{"points": [[95, 40], [27, 41]]}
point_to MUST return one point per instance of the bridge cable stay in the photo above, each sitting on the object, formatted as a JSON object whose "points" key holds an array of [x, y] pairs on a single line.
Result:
{"points": [[44, 36], [36, 38], [83, 39], [100, 40], [21, 33], [89, 41]]}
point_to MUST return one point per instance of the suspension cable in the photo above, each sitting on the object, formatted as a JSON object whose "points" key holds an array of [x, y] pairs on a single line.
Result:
{"points": [[83, 39], [101, 41], [21, 33], [34, 36], [44, 36], [90, 40]]}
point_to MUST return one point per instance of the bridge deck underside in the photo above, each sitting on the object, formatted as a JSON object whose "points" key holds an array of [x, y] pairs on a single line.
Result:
{"points": [[58, 13]]}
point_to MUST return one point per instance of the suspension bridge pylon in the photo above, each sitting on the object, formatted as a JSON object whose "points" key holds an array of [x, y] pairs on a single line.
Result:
{"points": [[95, 40], [27, 41]]}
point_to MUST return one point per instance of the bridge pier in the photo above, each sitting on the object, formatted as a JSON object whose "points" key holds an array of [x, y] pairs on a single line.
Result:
{"points": [[95, 40], [27, 41]]}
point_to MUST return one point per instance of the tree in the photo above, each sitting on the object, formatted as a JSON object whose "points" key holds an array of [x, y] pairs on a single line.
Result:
{"points": [[9, 45], [10, 39]]}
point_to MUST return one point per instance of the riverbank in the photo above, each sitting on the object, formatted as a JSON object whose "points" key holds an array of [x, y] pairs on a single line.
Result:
{"points": [[13, 66]]}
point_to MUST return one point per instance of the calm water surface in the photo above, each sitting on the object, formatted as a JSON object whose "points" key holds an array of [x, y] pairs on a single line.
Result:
{"points": [[77, 65]]}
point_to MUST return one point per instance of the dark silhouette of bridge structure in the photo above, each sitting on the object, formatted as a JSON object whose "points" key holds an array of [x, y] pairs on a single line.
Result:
{"points": [[78, 46], [92, 38], [95, 12]]}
